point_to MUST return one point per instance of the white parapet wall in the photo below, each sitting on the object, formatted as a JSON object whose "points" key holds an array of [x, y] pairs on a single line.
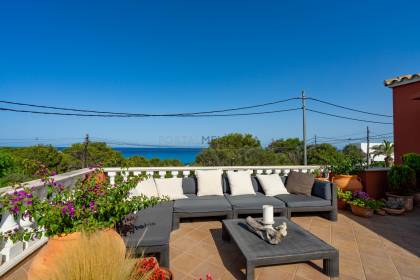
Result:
{"points": [[11, 253], [185, 171]]}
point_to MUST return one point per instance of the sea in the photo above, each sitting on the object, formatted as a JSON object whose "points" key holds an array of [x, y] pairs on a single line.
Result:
{"points": [[185, 155]]}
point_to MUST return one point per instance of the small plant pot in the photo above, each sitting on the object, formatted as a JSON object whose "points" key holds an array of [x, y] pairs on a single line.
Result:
{"points": [[417, 199], [394, 211], [408, 200], [361, 211], [341, 204]]}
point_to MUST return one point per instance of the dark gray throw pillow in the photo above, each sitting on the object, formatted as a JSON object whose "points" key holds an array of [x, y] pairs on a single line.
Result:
{"points": [[300, 183]]}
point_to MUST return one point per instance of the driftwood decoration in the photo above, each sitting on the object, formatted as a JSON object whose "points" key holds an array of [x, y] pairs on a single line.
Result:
{"points": [[271, 235]]}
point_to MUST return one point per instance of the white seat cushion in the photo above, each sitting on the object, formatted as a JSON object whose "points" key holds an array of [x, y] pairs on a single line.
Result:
{"points": [[145, 187], [209, 182], [272, 184], [170, 187], [240, 182]]}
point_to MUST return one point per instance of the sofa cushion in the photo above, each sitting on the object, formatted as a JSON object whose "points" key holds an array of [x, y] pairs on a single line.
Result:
{"points": [[272, 184], [322, 189], [189, 185], [253, 201], [152, 227], [171, 187], [240, 182], [197, 204], [145, 187], [209, 182], [300, 200], [300, 183]]}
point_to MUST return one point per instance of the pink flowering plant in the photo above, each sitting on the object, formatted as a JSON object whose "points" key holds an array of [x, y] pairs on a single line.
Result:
{"points": [[91, 205]]}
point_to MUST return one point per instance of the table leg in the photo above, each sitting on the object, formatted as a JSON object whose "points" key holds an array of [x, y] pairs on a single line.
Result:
{"points": [[331, 266], [225, 233], [250, 271]]}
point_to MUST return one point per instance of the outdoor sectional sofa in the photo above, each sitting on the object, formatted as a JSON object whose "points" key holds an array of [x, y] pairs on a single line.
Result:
{"points": [[153, 225]]}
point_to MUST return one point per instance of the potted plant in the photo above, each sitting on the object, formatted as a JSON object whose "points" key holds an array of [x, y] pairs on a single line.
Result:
{"points": [[394, 205], [65, 213], [362, 205], [343, 198], [412, 160], [401, 183], [343, 173]]}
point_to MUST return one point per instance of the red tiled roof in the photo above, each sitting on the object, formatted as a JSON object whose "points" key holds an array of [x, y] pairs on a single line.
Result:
{"points": [[402, 80]]}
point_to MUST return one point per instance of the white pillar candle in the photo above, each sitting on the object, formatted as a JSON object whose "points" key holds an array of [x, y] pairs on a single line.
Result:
{"points": [[268, 218]]}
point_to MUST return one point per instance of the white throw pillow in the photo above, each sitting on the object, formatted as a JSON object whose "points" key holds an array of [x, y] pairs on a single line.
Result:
{"points": [[272, 184], [171, 187], [209, 182], [146, 187], [240, 182]]}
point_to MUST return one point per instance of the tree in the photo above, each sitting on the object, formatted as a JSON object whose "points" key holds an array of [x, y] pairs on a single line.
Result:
{"points": [[237, 149], [386, 149], [235, 141], [6, 163], [322, 154], [354, 152], [136, 161], [97, 153], [291, 149]]}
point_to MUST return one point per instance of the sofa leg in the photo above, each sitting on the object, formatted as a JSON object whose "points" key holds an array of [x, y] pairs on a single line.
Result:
{"points": [[175, 221], [332, 215], [288, 214], [164, 257]]}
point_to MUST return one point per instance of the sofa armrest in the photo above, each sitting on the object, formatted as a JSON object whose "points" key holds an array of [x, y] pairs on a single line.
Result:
{"points": [[323, 189]]}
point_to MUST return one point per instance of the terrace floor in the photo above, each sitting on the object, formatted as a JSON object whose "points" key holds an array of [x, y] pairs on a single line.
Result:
{"points": [[377, 248]]}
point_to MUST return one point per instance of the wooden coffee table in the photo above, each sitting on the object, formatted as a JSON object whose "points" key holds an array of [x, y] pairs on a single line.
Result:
{"points": [[298, 246]]}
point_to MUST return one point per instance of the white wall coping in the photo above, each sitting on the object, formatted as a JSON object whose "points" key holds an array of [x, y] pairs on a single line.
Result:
{"points": [[181, 168], [58, 178]]}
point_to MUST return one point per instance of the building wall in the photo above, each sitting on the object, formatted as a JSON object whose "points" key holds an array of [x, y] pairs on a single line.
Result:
{"points": [[406, 119]]}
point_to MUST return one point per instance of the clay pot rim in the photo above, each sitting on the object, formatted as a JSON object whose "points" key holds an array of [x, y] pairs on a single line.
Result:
{"points": [[74, 235], [400, 196]]}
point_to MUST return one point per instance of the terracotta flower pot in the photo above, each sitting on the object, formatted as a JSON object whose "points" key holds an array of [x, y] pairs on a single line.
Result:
{"points": [[417, 199], [394, 211], [408, 200], [45, 261], [341, 204], [348, 182], [361, 211]]}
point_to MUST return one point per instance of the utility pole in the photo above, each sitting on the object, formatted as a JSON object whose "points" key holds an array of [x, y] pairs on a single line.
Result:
{"points": [[85, 151], [367, 147], [305, 157], [315, 140]]}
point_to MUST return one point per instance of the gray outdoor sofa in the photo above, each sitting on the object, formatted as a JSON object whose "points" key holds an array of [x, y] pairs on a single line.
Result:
{"points": [[152, 226]]}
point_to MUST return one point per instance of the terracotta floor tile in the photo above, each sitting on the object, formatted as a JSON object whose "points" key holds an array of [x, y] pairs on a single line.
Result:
{"points": [[369, 249], [186, 263], [310, 272], [208, 268]]}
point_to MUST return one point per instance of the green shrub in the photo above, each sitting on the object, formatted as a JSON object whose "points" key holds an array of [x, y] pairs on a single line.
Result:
{"points": [[344, 195], [412, 160], [401, 179]]}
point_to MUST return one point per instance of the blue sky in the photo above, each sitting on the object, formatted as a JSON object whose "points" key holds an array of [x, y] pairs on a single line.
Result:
{"points": [[180, 56]]}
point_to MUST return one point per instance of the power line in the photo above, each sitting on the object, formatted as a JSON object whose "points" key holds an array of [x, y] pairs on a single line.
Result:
{"points": [[139, 116], [145, 114], [348, 108], [348, 118]]}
